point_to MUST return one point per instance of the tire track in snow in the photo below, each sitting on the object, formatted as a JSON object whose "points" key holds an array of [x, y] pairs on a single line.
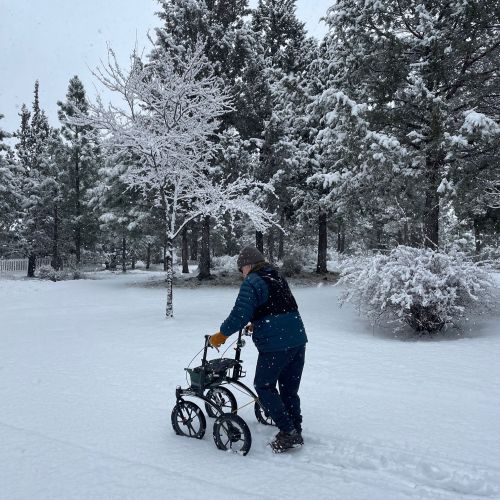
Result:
{"points": [[450, 477], [173, 472]]}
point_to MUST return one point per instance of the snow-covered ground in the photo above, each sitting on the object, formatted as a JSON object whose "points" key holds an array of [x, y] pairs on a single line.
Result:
{"points": [[88, 371]]}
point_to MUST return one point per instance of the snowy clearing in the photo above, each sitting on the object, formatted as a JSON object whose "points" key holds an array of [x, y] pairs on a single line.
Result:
{"points": [[88, 371]]}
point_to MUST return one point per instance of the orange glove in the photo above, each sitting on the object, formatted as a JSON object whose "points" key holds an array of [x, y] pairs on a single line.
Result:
{"points": [[217, 339]]}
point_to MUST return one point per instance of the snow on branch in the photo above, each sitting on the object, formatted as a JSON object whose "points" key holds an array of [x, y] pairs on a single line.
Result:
{"points": [[171, 107], [235, 197], [478, 123]]}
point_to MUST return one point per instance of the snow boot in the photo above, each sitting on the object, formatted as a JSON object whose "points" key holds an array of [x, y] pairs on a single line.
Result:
{"points": [[284, 441]]}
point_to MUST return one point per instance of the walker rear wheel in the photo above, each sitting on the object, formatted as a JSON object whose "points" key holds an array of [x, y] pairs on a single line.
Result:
{"points": [[188, 420], [261, 414], [231, 433], [223, 398]]}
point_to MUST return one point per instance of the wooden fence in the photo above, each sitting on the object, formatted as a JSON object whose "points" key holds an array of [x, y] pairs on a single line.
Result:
{"points": [[20, 265]]}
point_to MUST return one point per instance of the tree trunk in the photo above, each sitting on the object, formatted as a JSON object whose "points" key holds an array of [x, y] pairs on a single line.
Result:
{"points": [[124, 253], [431, 212], [231, 244], [379, 233], [56, 260], [185, 267], [270, 245], [204, 265], [340, 236], [431, 221], [78, 210], [112, 264], [148, 256], [259, 241], [281, 237], [169, 310], [322, 243], [194, 240], [31, 265], [477, 237]]}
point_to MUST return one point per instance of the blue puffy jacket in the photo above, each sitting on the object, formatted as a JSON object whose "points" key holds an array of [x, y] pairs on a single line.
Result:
{"points": [[265, 300]]}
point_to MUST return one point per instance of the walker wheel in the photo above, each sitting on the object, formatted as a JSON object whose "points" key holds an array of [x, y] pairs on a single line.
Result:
{"points": [[231, 433], [261, 414], [223, 398], [188, 420]]}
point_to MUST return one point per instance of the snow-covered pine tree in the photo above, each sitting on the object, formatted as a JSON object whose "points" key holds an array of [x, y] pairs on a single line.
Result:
{"points": [[286, 52], [352, 168], [409, 70], [280, 32], [121, 209], [55, 197], [9, 193], [83, 159], [3, 135], [218, 24], [32, 153]]}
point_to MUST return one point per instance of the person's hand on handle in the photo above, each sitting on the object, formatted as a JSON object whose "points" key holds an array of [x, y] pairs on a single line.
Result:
{"points": [[217, 339]]}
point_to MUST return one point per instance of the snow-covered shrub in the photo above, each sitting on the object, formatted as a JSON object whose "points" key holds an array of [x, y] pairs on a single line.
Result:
{"points": [[422, 288], [225, 263], [47, 272], [491, 255], [77, 274], [292, 264]]}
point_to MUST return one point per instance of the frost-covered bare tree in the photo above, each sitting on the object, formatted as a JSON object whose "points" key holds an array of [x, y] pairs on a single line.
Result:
{"points": [[166, 123]]}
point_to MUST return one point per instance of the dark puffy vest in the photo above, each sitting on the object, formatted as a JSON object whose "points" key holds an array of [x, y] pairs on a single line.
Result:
{"points": [[280, 299]]}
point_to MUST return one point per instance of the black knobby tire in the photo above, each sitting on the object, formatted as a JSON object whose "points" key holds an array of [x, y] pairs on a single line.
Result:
{"points": [[261, 415], [223, 398], [188, 420], [231, 433]]}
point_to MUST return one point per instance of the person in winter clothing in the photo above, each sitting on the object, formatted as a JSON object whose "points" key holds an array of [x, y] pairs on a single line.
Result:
{"points": [[266, 301]]}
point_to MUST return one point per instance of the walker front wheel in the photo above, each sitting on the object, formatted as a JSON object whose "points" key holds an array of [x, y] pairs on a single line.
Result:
{"points": [[188, 420], [223, 398], [231, 433]]}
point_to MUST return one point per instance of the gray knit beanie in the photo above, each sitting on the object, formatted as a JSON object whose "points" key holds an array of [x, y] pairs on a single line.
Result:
{"points": [[249, 255]]}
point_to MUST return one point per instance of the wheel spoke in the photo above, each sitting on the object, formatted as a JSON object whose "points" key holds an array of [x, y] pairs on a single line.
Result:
{"points": [[222, 401], [188, 420], [231, 433]]}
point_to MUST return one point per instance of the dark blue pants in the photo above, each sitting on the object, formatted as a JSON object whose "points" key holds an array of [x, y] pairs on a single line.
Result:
{"points": [[285, 369]]}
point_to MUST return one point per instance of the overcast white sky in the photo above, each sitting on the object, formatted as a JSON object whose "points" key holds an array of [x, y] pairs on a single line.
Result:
{"points": [[53, 40]]}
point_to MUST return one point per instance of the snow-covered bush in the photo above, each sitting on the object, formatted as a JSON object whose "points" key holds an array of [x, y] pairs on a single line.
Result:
{"points": [[77, 274], [291, 265], [225, 263], [47, 272], [491, 255], [422, 288]]}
